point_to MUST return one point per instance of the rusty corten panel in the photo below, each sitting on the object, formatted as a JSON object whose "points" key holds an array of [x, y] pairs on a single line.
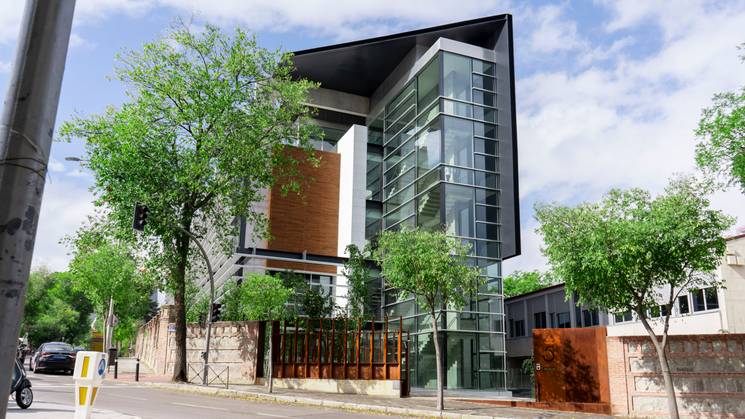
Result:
{"points": [[307, 221], [571, 365]]}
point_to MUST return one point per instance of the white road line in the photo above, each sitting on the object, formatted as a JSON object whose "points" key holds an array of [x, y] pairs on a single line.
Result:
{"points": [[129, 397], [196, 405], [270, 415]]}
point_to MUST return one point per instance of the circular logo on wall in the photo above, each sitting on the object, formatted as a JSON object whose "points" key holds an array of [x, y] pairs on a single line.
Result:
{"points": [[102, 367]]}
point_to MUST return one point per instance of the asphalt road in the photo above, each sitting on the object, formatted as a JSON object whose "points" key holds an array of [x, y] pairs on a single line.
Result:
{"points": [[53, 398]]}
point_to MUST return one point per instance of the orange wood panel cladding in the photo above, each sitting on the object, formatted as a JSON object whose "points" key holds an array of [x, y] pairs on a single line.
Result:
{"points": [[307, 221]]}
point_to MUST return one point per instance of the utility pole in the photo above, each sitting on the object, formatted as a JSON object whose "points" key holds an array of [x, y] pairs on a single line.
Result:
{"points": [[26, 130]]}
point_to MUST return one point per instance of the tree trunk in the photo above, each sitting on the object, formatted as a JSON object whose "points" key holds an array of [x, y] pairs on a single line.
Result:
{"points": [[672, 404], [270, 377], [438, 363], [179, 296]]}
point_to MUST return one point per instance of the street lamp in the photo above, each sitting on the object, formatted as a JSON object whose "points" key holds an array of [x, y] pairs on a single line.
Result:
{"points": [[73, 158]]}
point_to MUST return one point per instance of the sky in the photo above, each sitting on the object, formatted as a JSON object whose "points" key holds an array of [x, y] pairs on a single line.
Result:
{"points": [[608, 93]]}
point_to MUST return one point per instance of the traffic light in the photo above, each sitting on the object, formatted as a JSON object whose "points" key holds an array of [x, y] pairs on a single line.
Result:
{"points": [[140, 217], [216, 311]]}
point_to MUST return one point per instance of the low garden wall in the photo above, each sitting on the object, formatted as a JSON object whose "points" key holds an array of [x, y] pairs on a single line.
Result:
{"points": [[233, 345], [708, 375]]}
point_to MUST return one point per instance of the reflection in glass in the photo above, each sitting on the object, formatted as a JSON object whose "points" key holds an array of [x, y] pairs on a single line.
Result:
{"points": [[456, 77], [459, 210], [458, 136]]}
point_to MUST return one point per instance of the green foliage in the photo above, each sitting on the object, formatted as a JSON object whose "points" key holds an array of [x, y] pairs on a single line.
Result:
{"points": [[197, 311], [201, 136], [102, 270], [231, 303], [264, 297], [307, 300], [519, 282], [357, 273], [429, 265], [528, 368], [722, 132], [54, 310], [618, 253]]}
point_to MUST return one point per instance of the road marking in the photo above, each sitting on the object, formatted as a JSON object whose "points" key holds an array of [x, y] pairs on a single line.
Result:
{"points": [[270, 415], [129, 397], [196, 405]]}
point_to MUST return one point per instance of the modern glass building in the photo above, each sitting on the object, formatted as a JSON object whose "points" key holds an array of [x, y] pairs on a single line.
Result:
{"points": [[420, 132]]}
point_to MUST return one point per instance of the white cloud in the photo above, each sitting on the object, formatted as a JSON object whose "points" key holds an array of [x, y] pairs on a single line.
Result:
{"points": [[4, 67], [65, 206], [629, 122], [56, 165], [552, 31]]}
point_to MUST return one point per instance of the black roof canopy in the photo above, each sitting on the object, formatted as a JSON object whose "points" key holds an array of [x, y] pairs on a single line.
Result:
{"points": [[359, 67]]}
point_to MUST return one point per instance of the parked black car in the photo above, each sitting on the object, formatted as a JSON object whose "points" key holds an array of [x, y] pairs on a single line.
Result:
{"points": [[54, 356]]}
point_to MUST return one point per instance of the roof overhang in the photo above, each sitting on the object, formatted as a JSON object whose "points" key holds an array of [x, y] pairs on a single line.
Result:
{"points": [[359, 67]]}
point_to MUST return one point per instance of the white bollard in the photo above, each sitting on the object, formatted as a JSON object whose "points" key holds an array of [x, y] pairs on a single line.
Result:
{"points": [[90, 369]]}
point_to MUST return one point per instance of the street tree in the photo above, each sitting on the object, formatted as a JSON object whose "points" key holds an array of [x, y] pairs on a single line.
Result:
{"points": [[205, 128], [357, 272], [721, 129], [54, 310], [632, 252], [519, 282], [107, 273], [431, 267], [264, 297]]}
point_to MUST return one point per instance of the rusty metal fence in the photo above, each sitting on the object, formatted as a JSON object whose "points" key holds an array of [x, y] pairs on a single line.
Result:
{"points": [[341, 349]]}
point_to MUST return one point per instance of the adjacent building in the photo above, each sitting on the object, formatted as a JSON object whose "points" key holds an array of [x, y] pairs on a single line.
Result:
{"points": [[419, 132], [695, 311]]}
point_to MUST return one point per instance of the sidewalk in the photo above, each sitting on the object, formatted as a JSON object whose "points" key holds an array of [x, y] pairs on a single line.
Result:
{"points": [[417, 406]]}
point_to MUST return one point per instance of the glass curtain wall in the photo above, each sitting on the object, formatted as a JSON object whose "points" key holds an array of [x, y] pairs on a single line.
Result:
{"points": [[440, 169]]}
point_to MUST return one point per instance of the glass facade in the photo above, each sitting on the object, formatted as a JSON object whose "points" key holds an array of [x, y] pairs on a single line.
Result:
{"points": [[433, 162]]}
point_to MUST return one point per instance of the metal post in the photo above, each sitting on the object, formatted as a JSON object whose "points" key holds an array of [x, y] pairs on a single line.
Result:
{"points": [[26, 130], [137, 370], [206, 354], [116, 369]]}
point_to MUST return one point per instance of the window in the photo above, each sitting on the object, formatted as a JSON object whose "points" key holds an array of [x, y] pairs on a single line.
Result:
{"points": [[657, 312], [458, 142], [563, 320], [519, 328], [539, 320], [459, 210], [683, 304], [511, 327], [428, 83], [622, 317], [428, 209], [704, 299], [456, 76], [590, 318]]}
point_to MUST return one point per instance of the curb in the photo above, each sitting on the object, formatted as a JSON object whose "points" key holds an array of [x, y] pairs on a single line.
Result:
{"points": [[307, 401]]}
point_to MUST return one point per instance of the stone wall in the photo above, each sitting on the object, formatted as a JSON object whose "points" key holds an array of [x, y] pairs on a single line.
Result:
{"points": [[708, 375], [232, 345]]}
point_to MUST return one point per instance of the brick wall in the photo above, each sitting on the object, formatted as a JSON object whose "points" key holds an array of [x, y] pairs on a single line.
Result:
{"points": [[232, 345], [708, 374]]}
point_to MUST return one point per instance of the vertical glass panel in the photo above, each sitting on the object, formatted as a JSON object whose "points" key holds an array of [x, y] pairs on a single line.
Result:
{"points": [[458, 135], [485, 146], [394, 201], [459, 210], [427, 180], [461, 360], [374, 169], [457, 108], [485, 130], [489, 214], [402, 166], [402, 99], [428, 86], [400, 214], [698, 300], [484, 98], [456, 77], [484, 82], [428, 209], [485, 163], [683, 304], [375, 131], [483, 67], [428, 147], [400, 183], [712, 300], [428, 115], [487, 231], [485, 114], [487, 180], [488, 197], [455, 175]]}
